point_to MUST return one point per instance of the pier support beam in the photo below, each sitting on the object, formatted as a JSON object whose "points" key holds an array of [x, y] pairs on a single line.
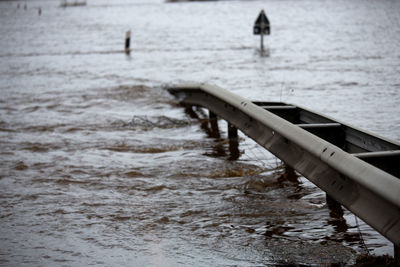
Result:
{"points": [[214, 124], [233, 142], [232, 132], [335, 207], [288, 174], [189, 111], [397, 254]]}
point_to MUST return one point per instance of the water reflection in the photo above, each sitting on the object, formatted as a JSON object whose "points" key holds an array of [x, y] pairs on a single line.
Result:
{"points": [[288, 174], [209, 124], [234, 151], [266, 52], [336, 215]]}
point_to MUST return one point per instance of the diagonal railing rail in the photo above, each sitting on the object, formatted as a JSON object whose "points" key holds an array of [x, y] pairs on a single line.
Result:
{"points": [[357, 169]]}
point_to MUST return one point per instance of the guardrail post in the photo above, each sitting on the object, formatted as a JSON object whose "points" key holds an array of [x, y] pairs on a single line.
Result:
{"points": [[214, 124], [189, 110], [232, 132], [336, 213], [335, 207], [233, 142], [288, 174]]}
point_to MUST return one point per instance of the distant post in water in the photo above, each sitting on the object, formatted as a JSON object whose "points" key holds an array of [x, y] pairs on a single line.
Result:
{"points": [[262, 27], [128, 42]]}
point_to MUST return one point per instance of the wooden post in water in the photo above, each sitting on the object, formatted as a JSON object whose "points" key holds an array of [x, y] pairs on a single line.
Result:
{"points": [[262, 41], [335, 207], [232, 132], [128, 42], [214, 124], [233, 142]]}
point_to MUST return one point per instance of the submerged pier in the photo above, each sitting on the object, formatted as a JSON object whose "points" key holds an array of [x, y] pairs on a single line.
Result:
{"points": [[356, 169]]}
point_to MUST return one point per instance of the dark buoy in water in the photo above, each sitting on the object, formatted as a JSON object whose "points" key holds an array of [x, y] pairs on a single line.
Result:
{"points": [[40, 11], [128, 42]]}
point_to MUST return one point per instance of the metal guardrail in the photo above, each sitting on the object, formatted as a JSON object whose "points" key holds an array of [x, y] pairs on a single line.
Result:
{"points": [[357, 169]]}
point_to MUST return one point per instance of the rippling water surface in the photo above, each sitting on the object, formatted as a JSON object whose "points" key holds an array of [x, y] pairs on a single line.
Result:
{"points": [[99, 165]]}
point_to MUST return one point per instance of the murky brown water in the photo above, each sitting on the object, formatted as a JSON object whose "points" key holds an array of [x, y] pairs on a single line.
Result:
{"points": [[100, 166]]}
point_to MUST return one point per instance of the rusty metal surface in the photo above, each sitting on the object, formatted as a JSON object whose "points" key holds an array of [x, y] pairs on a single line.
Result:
{"points": [[369, 192]]}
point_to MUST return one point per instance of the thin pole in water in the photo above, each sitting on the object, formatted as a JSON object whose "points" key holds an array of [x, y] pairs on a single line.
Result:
{"points": [[262, 41], [261, 27], [128, 42]]}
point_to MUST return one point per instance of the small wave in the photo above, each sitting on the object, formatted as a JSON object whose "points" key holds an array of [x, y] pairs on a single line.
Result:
{"points": [[31, 109], [142, 150], [155, 188], [2, 216], [42, 128], [20, 166], [224, 170], [163, 220], [60, 211], [94, 204], [30, 197], [238, 172], [39, 147], [65, 181], [146, 123], [349, 84], [73, 129], [190, 213], [125, 92], [6, 130], [259, 185], [120, 218], [133, 174]]}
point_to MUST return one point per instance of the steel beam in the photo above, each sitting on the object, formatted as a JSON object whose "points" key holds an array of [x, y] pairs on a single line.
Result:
{"points": [[369, 192], [384, 160], [355, 140], [288, 112], [331, 132]]}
